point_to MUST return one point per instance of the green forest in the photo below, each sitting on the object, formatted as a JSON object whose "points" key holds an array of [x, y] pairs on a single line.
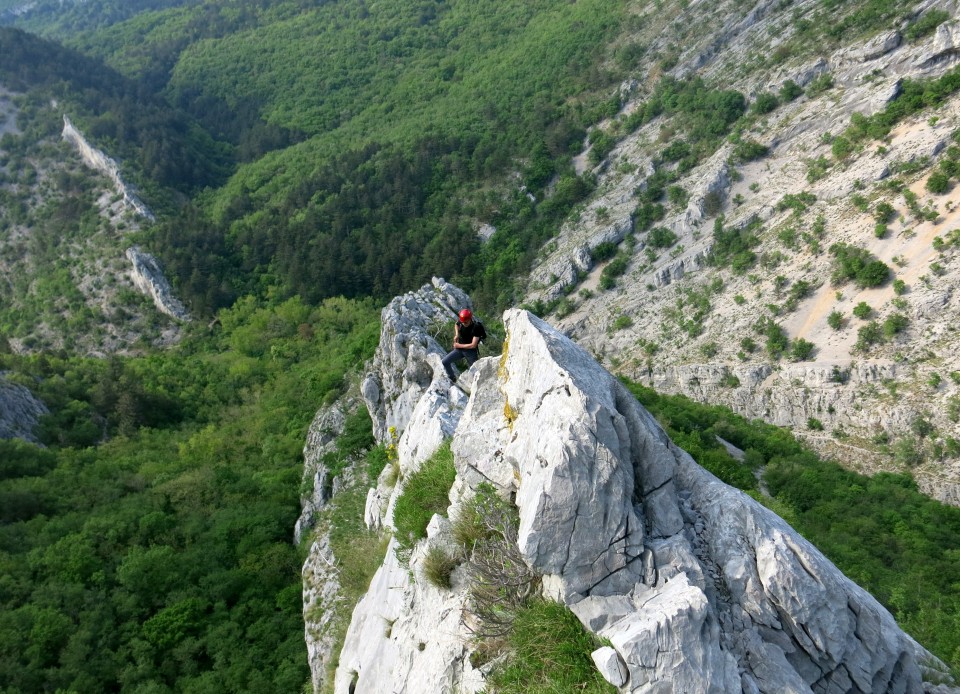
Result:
{"points": [[149, 547]]}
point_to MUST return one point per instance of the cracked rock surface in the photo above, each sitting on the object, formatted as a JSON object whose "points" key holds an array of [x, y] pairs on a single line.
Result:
{"points": [[697, 587]]}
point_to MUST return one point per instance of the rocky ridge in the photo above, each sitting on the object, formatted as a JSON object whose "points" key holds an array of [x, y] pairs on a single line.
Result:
{"points": [[98, 161], [148, 277], [399, 388], [643, 327], [697, 587]]}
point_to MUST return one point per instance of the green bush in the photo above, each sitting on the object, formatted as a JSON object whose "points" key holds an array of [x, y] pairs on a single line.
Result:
{"points": [[857, 264], [926, 24], [899, 287], [938, 183], [814, 424], [790, 91], [841, 147], [765, 103], [801, 350], [862, 310], [661, 237], [749, 150], [835, 320], [614, 269], [425, 493]]}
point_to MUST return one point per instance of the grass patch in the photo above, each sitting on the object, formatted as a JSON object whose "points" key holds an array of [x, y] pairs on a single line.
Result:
{"points": [[426, 492], [549, 651], [437, 567]]}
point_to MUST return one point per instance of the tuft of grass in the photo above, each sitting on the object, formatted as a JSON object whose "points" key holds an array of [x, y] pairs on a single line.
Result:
{"points": [[549, 651], [437, 567], [425, 492]]}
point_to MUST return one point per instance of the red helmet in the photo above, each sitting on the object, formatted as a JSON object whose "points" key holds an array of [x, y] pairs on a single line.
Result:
{"points": [[466, 315]]}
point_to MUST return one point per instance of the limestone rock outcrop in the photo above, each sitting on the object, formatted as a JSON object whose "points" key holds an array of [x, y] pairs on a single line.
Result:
{"points": [[20, 411], [148, 277], [97, 160], [698, 587], [411, 327]]}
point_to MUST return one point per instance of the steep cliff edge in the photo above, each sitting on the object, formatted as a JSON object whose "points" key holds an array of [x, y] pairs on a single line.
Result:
{"points": [[697, 587]]}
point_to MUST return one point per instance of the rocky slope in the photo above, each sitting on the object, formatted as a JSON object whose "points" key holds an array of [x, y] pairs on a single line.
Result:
{"points": [[697, 587], [71, 280], [679, 322]]}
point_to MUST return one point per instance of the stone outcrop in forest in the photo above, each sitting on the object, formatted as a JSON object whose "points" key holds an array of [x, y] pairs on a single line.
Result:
{"points": [[148, 277], [99, 161], [20, 411]]}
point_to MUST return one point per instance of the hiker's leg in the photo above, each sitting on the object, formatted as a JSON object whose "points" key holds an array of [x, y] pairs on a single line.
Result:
{"points": [[471, 356], [448, 360]]}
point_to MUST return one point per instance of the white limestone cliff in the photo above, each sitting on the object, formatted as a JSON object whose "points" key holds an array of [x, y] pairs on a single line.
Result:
{"points": [[97, 160], [148, 277], [698, 587]]}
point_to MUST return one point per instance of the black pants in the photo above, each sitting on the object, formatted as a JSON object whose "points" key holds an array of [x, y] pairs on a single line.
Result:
{"points": [[470, 355]]}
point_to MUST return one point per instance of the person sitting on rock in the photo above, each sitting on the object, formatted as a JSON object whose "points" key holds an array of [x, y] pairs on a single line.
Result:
{"points": [[467, 334]]}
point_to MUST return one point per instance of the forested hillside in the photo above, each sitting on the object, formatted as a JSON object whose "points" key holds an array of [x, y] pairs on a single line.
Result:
{"points": [[149, 547]]}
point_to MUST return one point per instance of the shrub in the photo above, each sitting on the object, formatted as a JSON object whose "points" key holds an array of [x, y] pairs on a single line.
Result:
{"points": [[801, 349], [501, 583], [603, 251], [835, 320], [926, 24], [709, 350], [884, 212], [819, 85], [425, 493], [661, 237], [853, 263], [614, 269], [765, 103], [895, 324], [749, 150], [880, 230], [938, 183], [814, 424], [602, 143], [776, 338], [790, 91], [841, 147], [622, 322], [868, 335], [729, 380], [862, 310]]}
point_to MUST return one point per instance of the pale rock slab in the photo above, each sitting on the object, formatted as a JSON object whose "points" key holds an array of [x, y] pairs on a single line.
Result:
{"points": [[97, 160], [148, 277]]}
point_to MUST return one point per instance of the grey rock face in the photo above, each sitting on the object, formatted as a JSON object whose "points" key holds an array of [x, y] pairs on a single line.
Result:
{"points": [[697, 587], [20, 412], [412, 326], [148, 277], [99, 161]]}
